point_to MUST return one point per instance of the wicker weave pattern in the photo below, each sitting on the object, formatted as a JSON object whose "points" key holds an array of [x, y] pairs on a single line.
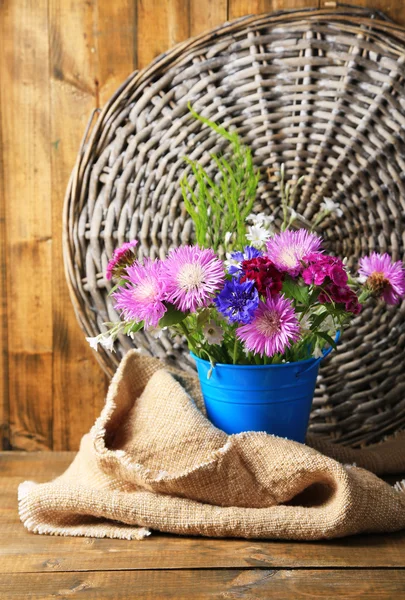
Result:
{"points": [[323, 93]]}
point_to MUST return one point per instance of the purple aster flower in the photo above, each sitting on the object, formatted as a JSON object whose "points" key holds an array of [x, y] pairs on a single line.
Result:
{"points": [[288, 249], [122, 257], [384, 278], [142, 298], [192, 276], [238, 301], [235, 259], [274, 327]]}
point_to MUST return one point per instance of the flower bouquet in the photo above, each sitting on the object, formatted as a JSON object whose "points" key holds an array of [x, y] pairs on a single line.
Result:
{"points": [[259, 308]]}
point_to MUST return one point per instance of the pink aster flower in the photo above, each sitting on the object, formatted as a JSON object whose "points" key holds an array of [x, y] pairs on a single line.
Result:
{"points": [[274, 327], [122, 257], [384, 278], [192, 276], [142, 298], [288, 249]]}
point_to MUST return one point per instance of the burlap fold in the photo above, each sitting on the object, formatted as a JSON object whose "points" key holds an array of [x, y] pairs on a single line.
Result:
{"points": [[153, 461]]}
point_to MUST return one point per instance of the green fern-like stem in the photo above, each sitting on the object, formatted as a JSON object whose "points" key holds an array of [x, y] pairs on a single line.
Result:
{"points": [[222, 205]]}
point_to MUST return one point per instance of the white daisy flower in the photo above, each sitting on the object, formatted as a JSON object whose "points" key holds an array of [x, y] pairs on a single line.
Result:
{"points": [[213, 333], [258, 236]]}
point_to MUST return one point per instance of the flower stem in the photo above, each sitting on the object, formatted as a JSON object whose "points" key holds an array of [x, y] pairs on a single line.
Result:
{"points": [[365, 295], [188, 337], [235, 350]]}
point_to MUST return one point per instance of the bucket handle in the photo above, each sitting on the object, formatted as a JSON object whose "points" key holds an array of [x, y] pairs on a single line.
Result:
{"points": [[318, 360]]}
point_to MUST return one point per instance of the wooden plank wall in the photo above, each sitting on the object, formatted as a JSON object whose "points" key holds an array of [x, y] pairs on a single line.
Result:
{"points": [[59, 61]]}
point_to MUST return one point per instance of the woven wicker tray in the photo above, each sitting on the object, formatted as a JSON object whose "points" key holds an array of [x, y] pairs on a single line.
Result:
{"points": [[322, 92]]}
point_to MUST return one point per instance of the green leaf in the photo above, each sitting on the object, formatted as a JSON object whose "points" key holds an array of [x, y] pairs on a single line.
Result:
{"points": [[202, 318], [291, 289], [318, 320], [133, 327], [172, 316], [314, 295], [327, 338], [120, 283]]}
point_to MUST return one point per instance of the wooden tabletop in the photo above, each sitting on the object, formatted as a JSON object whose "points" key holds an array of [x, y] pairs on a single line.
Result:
{"points": [[178, 567]]}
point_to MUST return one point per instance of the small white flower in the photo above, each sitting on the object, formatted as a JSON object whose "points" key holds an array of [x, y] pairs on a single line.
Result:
{"points": [[362, 279], [258, 236], [317, 353], [108, 342], [260, 219], [255, 219], [331, 207], [328, 325], [156, 332], [94, 342], [213, 333]]}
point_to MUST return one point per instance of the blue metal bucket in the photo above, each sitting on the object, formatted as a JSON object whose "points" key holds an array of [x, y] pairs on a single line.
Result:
{"points": [[276, 399]]}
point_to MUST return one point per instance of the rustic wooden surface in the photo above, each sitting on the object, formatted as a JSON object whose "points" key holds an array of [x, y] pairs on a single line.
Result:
{"points": [[168, 566], [59, 61]]}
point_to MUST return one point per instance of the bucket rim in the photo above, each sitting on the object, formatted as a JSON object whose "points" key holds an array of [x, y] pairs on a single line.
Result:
{"points": [[307, 361]]}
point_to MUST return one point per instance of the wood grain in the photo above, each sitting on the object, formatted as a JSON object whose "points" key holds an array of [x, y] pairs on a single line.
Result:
{"points": [[76, 83], [238, 8], [4, 399], [115, 45], [25, 135], [27, 552], [202, 584], [394, 9], [160, 25], [207, 15], [21, 551]]}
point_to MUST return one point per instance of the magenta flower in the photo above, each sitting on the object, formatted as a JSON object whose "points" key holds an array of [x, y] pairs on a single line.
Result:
{"points": [[288, 249], [341, 295], [192, 276], [274, 327], [320, 267], [122, 257], [142, 299], [384, 278]]}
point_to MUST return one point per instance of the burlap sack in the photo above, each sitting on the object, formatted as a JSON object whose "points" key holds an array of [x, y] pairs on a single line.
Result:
{"points": [[153, 461]]}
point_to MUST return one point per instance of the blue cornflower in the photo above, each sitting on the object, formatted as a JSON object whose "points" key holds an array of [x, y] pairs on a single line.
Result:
{"points": [[234, 259], [238, 301]]}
